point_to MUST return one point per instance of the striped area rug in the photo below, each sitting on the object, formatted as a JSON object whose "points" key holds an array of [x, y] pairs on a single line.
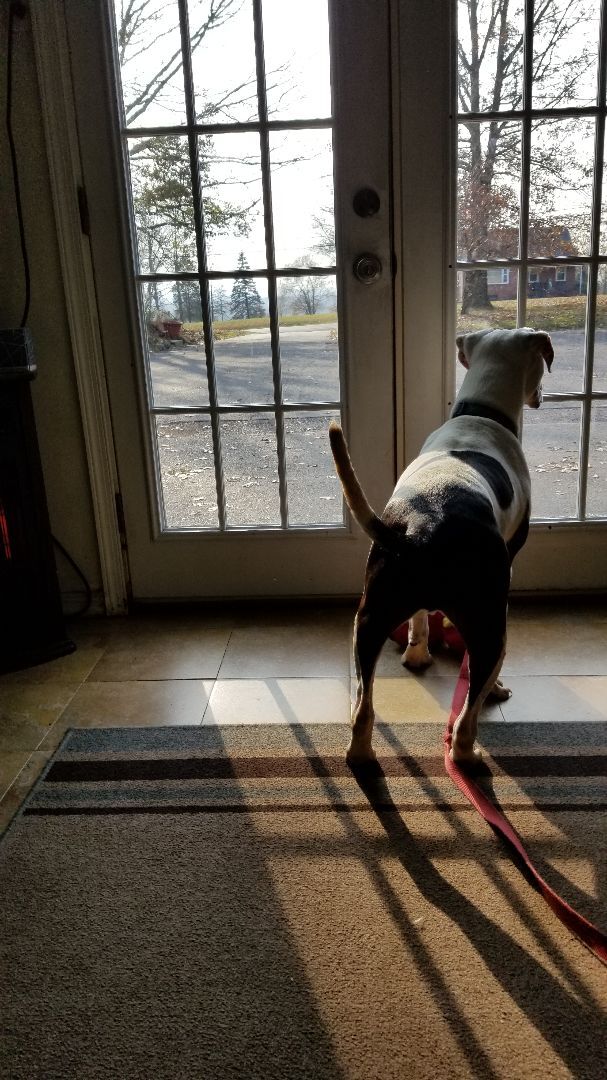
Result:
{"points": [[233, 902]]}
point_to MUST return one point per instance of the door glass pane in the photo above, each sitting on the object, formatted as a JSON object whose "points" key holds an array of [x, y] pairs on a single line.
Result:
{"points": [[603, 236], [296, 49], [490, 55], [551, 440], [557, 303], [248, 445], [309, 350], [302, 198], [175, 354], [149, 58], [560, 187], [565, 54], [162, 204], [599, 381], [596, 498], [488, 191], [486, 300], [314, 491], [242, 344], [187, 475], [232, 196], [223, 60]]}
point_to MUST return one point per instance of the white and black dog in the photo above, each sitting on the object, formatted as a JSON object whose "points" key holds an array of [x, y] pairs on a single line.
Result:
{"points": [[456, 519]]}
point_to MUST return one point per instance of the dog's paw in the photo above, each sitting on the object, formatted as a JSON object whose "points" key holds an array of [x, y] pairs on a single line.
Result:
{"points": [[499, 692], [465, 756], [417, 657], [359, 759]]}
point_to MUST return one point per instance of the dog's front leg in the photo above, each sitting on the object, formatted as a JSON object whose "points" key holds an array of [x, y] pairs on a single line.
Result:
{"points": [[417, 655]]}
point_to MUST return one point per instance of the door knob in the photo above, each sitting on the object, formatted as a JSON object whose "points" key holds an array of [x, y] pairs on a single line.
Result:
{"points": [[367, 268]]}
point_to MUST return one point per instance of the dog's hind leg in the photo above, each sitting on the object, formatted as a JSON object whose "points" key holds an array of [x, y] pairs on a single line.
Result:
{"points": [[377, 616], [369, 637]]}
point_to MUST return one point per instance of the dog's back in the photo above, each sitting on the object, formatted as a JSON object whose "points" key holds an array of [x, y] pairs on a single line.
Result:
{"points": [[448, 488]]}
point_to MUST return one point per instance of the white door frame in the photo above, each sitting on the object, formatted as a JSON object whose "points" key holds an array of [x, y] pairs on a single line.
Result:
{"points": [[65, 170]]}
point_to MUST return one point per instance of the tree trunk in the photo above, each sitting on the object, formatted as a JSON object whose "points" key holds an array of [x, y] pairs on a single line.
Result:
{"points": [[475, 295]]}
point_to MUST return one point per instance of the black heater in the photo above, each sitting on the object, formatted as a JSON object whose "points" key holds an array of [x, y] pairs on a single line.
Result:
{"points": [[31, 619]]}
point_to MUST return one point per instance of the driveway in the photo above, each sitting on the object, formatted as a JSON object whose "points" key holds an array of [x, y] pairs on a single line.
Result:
{"points": [[309, 360]]}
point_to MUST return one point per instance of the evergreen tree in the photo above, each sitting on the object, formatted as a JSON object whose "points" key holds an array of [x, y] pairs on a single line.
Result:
{"points": [[245, 301]]}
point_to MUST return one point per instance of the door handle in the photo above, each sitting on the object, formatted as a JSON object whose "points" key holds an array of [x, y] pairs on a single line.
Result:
{"points": [[367, 268]]}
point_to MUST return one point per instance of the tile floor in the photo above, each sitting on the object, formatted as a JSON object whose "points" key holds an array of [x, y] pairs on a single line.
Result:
{"points": [[277, 665]]}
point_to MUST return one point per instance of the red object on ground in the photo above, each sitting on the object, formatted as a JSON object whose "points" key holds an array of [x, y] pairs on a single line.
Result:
{"points": [[173, 329], [441, 632], [589, 935]]}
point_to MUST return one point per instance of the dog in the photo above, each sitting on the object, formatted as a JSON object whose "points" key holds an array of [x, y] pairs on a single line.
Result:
{"points": [[447, 538]]}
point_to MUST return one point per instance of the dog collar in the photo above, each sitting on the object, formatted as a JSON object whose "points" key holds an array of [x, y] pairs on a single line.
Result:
{"points": [[473, 408]]}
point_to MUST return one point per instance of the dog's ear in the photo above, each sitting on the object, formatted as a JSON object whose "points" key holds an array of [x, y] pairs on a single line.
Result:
{"points": [[542, 339], [461, 356]]}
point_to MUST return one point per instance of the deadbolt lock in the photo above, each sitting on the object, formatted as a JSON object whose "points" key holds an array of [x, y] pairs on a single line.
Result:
{"points": [[367, 268]]}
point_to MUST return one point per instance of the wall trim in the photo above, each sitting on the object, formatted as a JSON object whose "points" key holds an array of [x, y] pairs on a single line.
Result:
{"points": [[62, 147]]}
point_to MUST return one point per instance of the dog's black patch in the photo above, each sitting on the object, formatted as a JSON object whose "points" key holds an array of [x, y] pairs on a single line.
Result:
{"points": [[516, 541], [491, 470], [473, 408]]}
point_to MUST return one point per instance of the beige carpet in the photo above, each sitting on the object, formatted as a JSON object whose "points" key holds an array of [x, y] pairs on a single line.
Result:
{"points": [[229, 902]]}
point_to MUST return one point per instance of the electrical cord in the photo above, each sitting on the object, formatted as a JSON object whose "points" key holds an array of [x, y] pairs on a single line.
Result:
{"points": [[18, 10]]}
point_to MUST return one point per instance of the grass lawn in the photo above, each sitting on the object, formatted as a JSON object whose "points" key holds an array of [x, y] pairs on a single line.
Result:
{"points": [[545, 313], [229, 328]]}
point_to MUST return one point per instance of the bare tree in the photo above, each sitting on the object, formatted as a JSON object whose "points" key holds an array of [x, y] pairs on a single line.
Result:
{"points": [[490, 53], [306, 294]]}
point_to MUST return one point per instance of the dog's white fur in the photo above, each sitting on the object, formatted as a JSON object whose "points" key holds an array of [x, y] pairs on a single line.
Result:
{"points": [[464, 500]]}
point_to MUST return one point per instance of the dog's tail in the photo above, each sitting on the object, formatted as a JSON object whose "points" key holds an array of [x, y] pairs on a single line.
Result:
{"points": [[355, 497]]}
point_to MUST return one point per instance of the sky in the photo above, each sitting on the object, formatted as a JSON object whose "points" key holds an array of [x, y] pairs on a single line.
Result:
{"points": [[298, 78], [298, 87]]}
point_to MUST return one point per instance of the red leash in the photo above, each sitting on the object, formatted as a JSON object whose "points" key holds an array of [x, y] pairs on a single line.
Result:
{"points": [[590, 935]]}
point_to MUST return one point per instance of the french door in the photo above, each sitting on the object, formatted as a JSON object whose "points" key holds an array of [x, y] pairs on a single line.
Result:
{"points": [[238, 181], [293, 208]]}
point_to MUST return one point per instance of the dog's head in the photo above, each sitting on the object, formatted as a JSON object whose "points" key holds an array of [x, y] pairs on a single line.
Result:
{"points": [[525, 349]]}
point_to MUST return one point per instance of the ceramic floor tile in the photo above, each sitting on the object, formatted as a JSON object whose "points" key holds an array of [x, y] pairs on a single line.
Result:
{"points": [[28, 710], [21, 786], [11, 764], [554, 698], [73, 668], [556, 644], [279, 701], [123, 704], [162, 654], [418, 700], [297, 615], [93, 630], [287, 652]]}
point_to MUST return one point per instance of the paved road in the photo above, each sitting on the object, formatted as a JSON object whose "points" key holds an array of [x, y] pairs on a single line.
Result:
{"points": [[309, 358], [309, 363]]}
